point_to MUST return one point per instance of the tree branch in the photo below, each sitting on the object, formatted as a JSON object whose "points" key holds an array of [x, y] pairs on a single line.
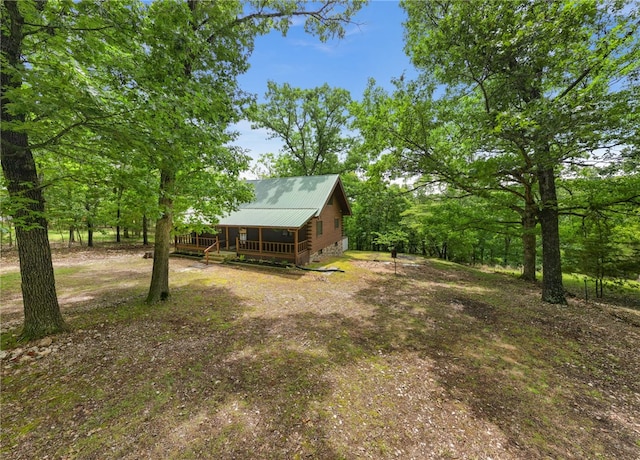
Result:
{"points": [[585, 73]]}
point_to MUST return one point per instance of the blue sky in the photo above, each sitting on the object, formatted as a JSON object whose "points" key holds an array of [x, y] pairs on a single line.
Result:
{"points": [[371, 49]]}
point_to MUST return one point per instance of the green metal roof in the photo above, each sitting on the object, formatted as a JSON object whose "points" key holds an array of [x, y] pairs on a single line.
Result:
{"points": [[278, 218], [292, 192], [287, 202]]}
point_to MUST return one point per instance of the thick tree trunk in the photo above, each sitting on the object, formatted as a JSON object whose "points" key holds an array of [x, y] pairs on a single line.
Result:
{"points": [[159, 288], [552, 288], [41, 310]]}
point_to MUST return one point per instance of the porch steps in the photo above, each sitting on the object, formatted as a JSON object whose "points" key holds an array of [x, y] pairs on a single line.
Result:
{"points": [[185, 255], [214, 258]]}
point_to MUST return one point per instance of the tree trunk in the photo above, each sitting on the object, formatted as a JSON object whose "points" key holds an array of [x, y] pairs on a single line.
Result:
{"points": [[72, 237], [41, 309], [89, 234], [529, 256], [552, 288], [87, 207], [529, 222], [118, 213], [507, 247], [145, 230], [159, 288], [529, 242]]}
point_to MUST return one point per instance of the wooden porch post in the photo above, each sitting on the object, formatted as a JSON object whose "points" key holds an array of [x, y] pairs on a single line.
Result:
{"points": [[295, 246], [260, 240], [197, 241], [226, 239]]}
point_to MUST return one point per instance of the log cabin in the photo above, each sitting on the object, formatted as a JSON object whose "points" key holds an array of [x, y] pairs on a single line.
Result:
{"points": [[292, 219]]}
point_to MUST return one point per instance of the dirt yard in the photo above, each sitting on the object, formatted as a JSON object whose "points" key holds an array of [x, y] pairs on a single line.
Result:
{"points": [[437, 361]]}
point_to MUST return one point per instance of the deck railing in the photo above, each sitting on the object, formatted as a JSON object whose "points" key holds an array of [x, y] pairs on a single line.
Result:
{"points": [[214, 247], [194, 242], [273, 247], [208, 244], [205, 245]]}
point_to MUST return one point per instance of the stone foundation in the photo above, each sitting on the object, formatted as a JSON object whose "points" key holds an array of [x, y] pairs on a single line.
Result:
{"points": [[333, 250]]}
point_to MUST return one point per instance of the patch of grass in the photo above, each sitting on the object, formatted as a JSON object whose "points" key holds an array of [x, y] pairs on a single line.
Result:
{"points": [[367, 255], [8, 340], [626, 291], [343, 348], [100, 236], [30, 426], [136, 310], [10, 282], [131, 408]]}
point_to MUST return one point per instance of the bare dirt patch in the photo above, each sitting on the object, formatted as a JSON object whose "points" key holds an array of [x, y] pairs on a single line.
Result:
{"points": [[418, 360]]}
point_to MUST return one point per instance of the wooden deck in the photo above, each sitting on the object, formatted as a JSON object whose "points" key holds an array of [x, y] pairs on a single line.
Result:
{"points": [[198, 245], [275, 250]]}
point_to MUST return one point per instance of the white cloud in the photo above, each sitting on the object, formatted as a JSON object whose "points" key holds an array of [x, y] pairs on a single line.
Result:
{"points": [[356, 29], [325, 48]]}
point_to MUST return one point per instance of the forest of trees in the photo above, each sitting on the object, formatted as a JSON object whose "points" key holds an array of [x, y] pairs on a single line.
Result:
{"points": [[517, 144]]}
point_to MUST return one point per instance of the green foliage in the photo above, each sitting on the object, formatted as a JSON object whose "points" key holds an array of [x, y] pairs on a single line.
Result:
{"points": [[601, 233], [510, 97], [377, 209], [392, 240], [513, 96], [310, 122], [465, 229]]}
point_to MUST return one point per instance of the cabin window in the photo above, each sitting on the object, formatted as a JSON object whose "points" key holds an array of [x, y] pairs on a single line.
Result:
{"points": [[243, 235], [336, 223], [319, 228]]}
